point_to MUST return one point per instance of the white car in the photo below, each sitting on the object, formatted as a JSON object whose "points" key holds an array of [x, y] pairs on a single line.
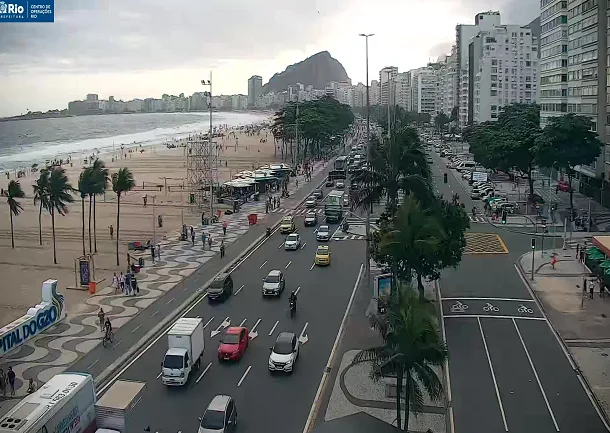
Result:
{"points": [[323, 233], [284, 352], [311, 202], [340, 184], [292, 242]]}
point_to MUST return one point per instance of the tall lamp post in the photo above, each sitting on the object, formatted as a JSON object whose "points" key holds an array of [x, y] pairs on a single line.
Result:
{"points": [[368, 160], [211, 150]]}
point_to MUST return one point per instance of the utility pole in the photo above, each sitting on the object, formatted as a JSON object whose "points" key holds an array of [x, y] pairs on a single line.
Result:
{"points": [[296, 130], [368, 161], [154, 242], [211, 158]]}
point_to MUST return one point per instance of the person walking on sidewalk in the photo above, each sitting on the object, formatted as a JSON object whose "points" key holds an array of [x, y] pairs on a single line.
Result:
{"points": [[2, 383], [224, 228], [210, 241], [10, 376], [222, 249], [101, 315]]}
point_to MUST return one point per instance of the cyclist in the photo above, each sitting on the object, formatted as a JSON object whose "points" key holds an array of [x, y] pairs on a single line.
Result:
{"points": [[108, 328]]}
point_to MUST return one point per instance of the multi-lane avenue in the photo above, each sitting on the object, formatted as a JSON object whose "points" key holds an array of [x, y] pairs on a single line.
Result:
{"points": [[265, 402], [508, 371]]}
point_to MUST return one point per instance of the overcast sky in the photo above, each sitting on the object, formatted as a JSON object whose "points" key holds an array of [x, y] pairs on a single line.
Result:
{"points": [[144, 48]]}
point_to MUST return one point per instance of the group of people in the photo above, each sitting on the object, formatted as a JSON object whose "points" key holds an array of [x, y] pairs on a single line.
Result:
{"points": [[127, 283], [105, 325]]}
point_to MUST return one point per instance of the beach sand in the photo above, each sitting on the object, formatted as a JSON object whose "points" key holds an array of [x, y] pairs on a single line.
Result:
{"points": [[24, 268]]}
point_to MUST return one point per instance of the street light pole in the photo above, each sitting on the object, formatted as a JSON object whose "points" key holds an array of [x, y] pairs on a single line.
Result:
{"points": [[368, 160]]}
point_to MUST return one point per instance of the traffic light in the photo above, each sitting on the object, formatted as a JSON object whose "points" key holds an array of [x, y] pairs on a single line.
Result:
{"points": [[444, 177], [503, 217], [533, 243]]}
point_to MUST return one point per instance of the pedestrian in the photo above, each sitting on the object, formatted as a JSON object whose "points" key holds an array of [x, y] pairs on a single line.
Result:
{"points": [[601, 287], [152, 252], [159, 251], [101, 316], [577, 251], [122, 282], [145, 200], [582, 255], [193, 237], [203, 240], [115, 282], [2, 383], [224, 228], [31, 386], [111, 229], [210, 241], [591, 288], [10, 376], [222, 249]]}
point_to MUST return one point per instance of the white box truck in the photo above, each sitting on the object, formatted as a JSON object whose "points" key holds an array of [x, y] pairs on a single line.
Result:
{"points": [[185, 346], [113, 408]]}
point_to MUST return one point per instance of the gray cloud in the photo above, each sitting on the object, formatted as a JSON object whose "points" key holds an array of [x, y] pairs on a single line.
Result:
{"points": [[513, 11], [119, 35]]}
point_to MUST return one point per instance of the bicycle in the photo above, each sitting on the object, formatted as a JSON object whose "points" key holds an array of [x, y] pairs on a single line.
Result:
{"points": [[524, 309], [488, 308], [108, 338], [458, 307]]}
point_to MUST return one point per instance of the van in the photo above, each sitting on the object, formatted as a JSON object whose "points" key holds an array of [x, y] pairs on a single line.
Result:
{"points": [[466, 165], [221, 287]]}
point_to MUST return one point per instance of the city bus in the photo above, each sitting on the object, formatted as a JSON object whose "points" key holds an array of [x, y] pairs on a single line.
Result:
{"points": [[341, 163], [65, 404]]}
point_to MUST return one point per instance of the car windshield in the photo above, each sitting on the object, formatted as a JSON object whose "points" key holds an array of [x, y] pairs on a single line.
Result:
{"points": [[310, 215], [322, 250], [292, 238], [311, 199], [217, 284], [287, 220], [213, 420], [173, 361], [282, 348], [323, 229], [230, 339], [272, 279]]}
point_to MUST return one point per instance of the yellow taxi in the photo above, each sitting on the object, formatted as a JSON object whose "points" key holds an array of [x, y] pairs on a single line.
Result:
{"points": [[287, 225], [322, 255]]}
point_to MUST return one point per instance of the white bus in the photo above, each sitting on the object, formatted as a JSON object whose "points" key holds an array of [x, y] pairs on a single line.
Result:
{"points": [[65, 404]]}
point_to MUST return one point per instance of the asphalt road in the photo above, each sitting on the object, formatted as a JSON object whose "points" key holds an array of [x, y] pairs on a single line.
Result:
{"points": [[507, 370], [265, 402]]}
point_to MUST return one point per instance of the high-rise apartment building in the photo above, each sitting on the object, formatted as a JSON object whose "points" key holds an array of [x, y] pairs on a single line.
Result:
{"points": [[553, 59], [374, 93], [424, 90], [387, 78], [587, 59], [447, 83], [403, 90], [502, 70], [255, 89]]}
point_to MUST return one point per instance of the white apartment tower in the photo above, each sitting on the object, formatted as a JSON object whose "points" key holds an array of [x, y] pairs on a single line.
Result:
{"points": [[553, 59], [387, 76], [374, 93], [503, 69], [448, 83], [403, 90], [424, 90], [463, 35]]}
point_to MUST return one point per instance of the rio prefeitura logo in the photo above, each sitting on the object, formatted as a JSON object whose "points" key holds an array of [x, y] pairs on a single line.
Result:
{"points": [[3, 8]]}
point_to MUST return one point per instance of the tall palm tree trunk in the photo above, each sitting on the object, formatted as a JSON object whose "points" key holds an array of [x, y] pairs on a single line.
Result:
{"points": [[90, 202], [118, 213], [12, 234], [82, 206], [40, 224], [407, 393], [399, 377], [53, 229], [94, 226]]}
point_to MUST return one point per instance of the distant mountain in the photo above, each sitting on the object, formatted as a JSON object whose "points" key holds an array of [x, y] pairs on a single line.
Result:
{"points": [[317, 70]]}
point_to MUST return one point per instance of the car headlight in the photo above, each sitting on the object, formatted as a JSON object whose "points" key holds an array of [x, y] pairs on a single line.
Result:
{"points": [[182, 374]]}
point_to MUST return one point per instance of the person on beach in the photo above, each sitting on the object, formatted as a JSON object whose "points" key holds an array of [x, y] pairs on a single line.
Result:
{"points": [[145, 200], [111, 229], [10, 376]]}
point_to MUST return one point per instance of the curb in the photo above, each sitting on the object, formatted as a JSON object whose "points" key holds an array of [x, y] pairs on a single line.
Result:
{"points": [[447, 388], [104, 379], [583, 379]]}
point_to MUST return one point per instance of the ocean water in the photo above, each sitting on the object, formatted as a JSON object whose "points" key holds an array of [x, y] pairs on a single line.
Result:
{"points": [[25, 142]]}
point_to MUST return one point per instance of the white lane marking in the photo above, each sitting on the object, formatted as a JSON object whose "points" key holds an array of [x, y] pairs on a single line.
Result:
{"points": [[244, 376], [466, 298], [280, 246], [208, 323], [529, 358], [170, 301], [316, 401], [238, 290], [159, 375], [154, 313], [312, 266], [136, 328], [444, 335], [264, 263], [117, 343], [242, 322], [92, 364], [493, 375], [477, 316], [335, 232], [289, 263], [203, 372], [185, 289], [303, 246], [296, 292], [274, 326]]}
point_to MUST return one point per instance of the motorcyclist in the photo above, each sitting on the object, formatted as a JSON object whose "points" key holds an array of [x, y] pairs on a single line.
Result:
{"points": [[293, 300]]}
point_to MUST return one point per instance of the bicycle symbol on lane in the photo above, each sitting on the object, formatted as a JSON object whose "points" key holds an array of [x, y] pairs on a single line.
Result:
{"points": [[524, 309], [488, 308], [458, 307]]}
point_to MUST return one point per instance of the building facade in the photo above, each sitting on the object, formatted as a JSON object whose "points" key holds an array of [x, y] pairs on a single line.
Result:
{"points": [[424, 90], [255, 89], [387, 78], [447, 97]]}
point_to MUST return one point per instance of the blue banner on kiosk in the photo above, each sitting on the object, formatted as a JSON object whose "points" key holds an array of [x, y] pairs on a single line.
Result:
{"points": [[39, 318], [382, 286]]}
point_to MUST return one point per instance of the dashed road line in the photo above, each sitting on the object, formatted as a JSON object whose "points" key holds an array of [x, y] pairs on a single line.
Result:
{"points": [[238, 290], [244, 376], [204, 372], [274, 326]]}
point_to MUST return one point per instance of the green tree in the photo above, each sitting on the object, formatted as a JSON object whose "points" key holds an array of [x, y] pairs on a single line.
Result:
{"points": [[440, 121], [100, 183], [568, 141], [59, 195], [122, 181], [411, 349], [455, 111], [41, 197], [12, 193]]}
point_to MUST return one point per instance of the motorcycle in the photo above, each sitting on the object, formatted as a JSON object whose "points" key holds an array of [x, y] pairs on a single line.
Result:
{"points": [[268, 231], [293, 308]]}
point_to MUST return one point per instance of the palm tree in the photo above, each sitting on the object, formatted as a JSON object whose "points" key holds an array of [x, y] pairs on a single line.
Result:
{"points": [[59, 195], [411, 347], [12, 193], [84, 183], [122, 181], [87, 187], [41, 197], [411, 241], [100, 185]]}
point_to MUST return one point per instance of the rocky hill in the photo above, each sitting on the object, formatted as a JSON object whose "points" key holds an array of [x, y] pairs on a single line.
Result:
{"points": [[317, 70]]}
